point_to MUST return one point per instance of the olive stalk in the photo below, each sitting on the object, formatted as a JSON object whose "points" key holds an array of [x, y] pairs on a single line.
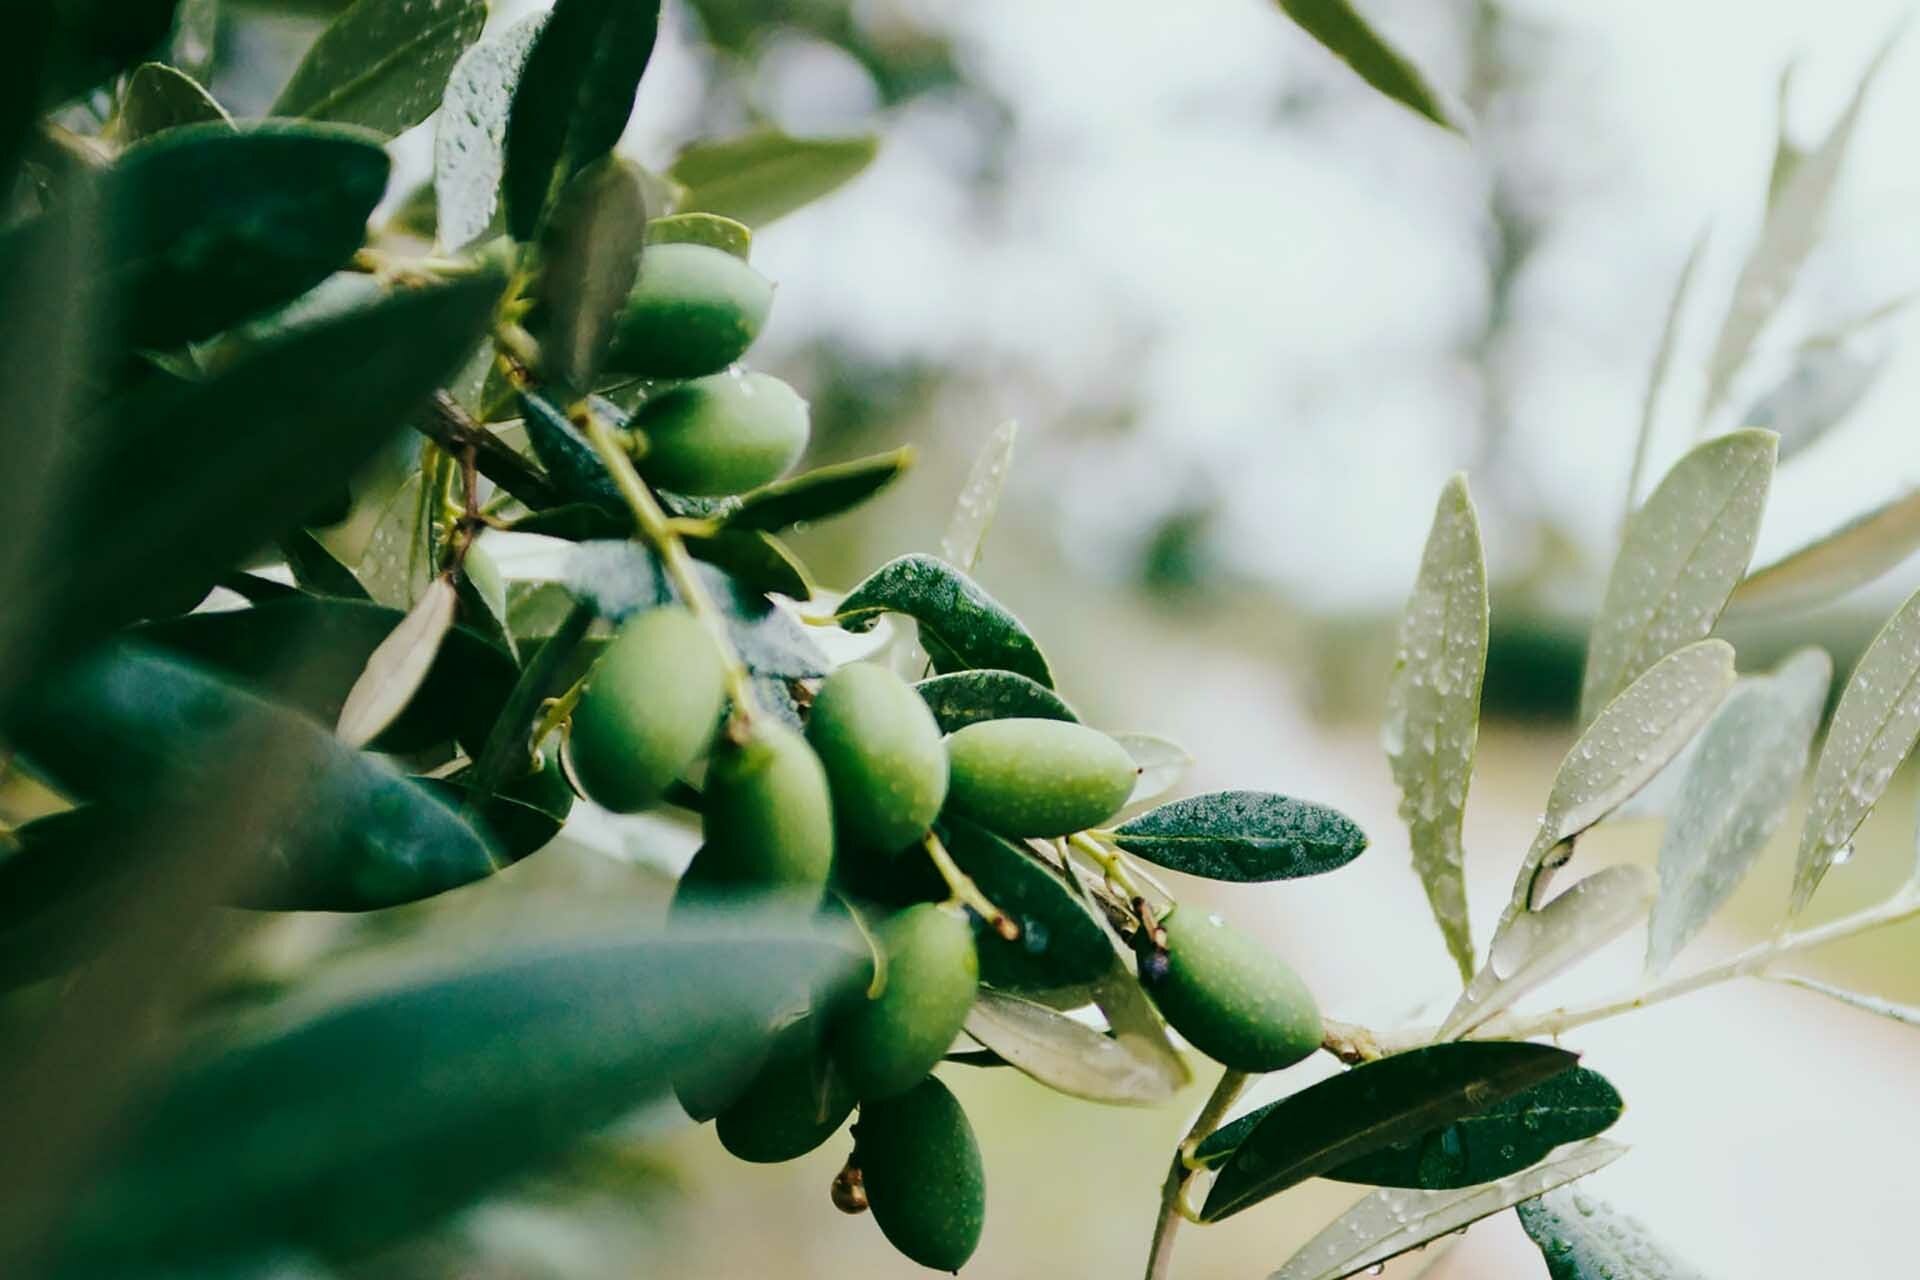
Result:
{"points": [[1173, 1192], [508, 744], [966, 892]]}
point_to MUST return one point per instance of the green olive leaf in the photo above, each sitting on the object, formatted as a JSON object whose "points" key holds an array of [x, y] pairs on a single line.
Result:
{"points": [[159, 97], [1657, 374], [756, 559], [1392, 1221], [398, 666], [1067, 1055], [1340, 29], [1582, 1238], [962, 626], [1683, 553], [1745, 771], [382, 64], [572, 99], [818, 494], [759, 177], [316, 569], [1873, 730], [590, 256], [1371, 1107], [1851, 556], [1433, 709], [709, 229], [979, 499], [1061, 944], [570, 460], [470, 134], [1243, 836], [962, 698], [1162, 763]]}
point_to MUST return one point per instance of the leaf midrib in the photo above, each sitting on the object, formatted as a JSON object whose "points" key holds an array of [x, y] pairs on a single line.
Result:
{"points": [[346, 89]]}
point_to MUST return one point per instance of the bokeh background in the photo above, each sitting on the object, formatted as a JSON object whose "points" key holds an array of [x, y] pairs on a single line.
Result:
{"points": [[1249, 316]]}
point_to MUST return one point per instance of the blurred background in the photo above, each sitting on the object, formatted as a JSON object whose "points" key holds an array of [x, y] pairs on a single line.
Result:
{"points": [[1249, 315]]}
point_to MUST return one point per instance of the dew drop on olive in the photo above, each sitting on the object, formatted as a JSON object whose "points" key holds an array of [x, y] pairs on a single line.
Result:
{"points": [[793, 1104], [1037, 777], [920, 1167], [885, 1044], [722, 434], [1231, 997], [649, 710], [768, 818], [885, 762], [693, 310]]}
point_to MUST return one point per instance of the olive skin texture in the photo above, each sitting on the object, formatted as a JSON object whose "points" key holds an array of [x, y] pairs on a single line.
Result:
{"points": [[887, 1044], [649, 710], [884, 759], [692, 311], [1232, 998], [769, 819], [793, 1104], [723, 434], [1037, 777], [921, 1169]]}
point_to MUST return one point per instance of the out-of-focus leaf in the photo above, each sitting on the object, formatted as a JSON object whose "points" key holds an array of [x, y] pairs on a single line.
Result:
{"points": [[1657, 374], [1907, 1013], [1065, 1055], [968, 697], [961, 625], [397, 667], [1873, 730], [1243, 836], [1391, 1222], [1060, 943], [617, 578], [1827, 382], [89, 41], [470, 137], [759, 177], [383, 63], [758, 560], [1786, 155], [1433, 709], [1743, 777], [382, 1115], [315, 568], [709, 229], [571, 103], [1792, 226], [1582, 1238], [979, 499], [1346, 35], [1162, 763], [817, 494], [1137, 1025], [1851, 556], [1682, 555], [590, 255], [1539, 945], [1373, 1106], [159, 97]]}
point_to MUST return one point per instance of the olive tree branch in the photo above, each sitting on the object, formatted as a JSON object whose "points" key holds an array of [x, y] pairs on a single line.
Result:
{"points": [[1173, 1192]]}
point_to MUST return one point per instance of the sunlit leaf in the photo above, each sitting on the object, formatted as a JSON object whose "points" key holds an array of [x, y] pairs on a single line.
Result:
{"points": [[759, 177], [470, 137], [961, 625], [1582, 1238], [1851, 556], [1338, 26], [1243, 836], [979, 499], [1061, 944], [159, 97], [397, 667], [1907, 1013], [382, 64], [1066, 1055]]}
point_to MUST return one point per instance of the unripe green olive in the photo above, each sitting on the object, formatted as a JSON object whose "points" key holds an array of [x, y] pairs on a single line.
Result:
{"points": [[885, 1044], [793, 1104], [649, 709], [1037, 777], [921, 1169], [693, 310], [1232, 998], [883, 755], [722, 434], [768, 818]]}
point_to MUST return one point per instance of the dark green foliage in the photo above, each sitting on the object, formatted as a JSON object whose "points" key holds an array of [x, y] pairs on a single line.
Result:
{"points": [[961, 625], [1060, 942], [383, 63], [1243, 836], [962, 698]]}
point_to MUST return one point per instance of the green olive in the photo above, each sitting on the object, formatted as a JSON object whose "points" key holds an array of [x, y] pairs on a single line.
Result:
{"points": [[693, 310], [885, 1044], [1037, 777], [768, 817], [649, 709], [883, 756], [1232, 998], [722, 434], [921, 1169], [793, 1104]]}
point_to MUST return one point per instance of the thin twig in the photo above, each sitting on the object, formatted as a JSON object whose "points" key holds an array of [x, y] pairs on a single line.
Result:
{"points": [[966, 892], [1167, 1226], [448, 425]]}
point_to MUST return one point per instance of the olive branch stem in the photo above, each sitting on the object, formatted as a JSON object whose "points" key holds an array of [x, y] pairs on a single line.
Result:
{"points": [[965, 891], [1173, 1192]]}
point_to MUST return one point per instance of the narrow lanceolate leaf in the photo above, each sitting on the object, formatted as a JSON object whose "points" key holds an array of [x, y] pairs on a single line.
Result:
{"points": [[1391, 1222], [1162, 763], [962, 627], [1137, 1025], [571, 462], [759, 177], [1061, 943], [316, 569], [1873, 729], [820, 493], [968, 697], [573, 98], [1243, 836], [159, 97], [1582, 1238], [1537, 946], [1792, 226], [470, 137], [1683, 552], [383, 63], [1745, 771], [1346, 35], [709, 229], [1371, 1107], [1907, 1013], [1825, 385], [398, 667], [979, 499], [1433, 709], [1851, 556], [754, 559], [589, 257], [1068, 1056], [382, 1115], [1502, 1140], [1657, 374]]}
